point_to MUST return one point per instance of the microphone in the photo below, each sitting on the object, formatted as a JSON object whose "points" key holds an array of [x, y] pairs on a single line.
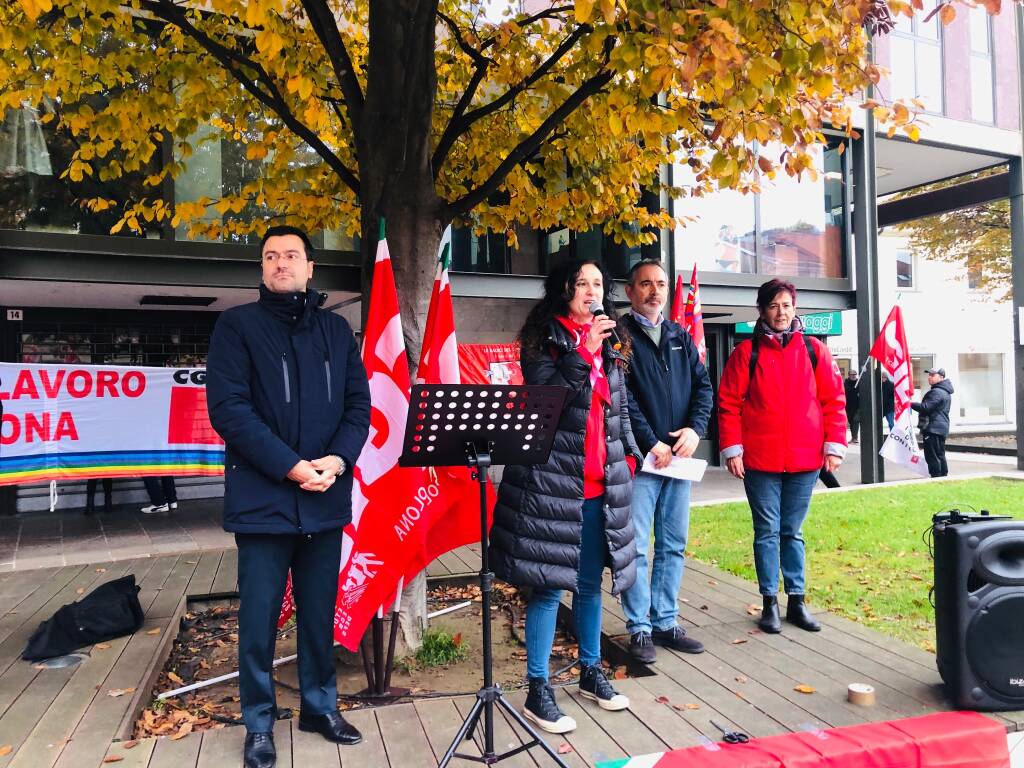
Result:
{"points": [[596, 309]]}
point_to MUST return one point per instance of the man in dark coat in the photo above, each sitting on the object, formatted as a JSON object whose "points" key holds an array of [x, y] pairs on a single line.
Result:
{"points": [[670, 399], [888, 401], [288, 393], [852, 404], [934, 421]]}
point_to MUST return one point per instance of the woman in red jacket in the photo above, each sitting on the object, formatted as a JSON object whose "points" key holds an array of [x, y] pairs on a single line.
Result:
{"points": [[781, 417]]}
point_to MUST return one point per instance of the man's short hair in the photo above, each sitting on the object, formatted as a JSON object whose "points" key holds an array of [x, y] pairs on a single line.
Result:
{"points": [[631, 277], [285, 229]]}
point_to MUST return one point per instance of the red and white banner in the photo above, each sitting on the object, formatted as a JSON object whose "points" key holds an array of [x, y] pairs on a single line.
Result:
{"points": [[490, 364], [893, 353], [68, 421], [693, 316]]}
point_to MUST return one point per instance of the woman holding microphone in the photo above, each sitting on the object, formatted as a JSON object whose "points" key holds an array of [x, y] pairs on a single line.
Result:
{"points": [[557, 525]]}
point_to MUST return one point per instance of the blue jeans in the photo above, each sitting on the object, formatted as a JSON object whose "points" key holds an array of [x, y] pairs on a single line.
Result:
{"points": [[779, 502], [890, 417], [664, 504], [542, 611]]}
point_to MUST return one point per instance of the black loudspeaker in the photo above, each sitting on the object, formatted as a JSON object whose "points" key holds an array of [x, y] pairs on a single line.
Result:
{"points": [[979, 609]]}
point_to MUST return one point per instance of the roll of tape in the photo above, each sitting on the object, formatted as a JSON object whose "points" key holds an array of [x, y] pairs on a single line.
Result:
{"points": [[861, 694]]}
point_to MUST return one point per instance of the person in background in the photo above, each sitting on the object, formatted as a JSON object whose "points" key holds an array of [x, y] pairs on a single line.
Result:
{"points": [[850, 384], [888, 400], [670, 400], [781, 420], [163, 496], [934, 420], [556, 525], [90, 495]]}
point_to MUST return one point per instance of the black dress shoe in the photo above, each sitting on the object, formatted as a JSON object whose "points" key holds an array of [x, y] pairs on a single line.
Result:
{"points": [[260, 751], [677, 639], [797, 613], [770, 621], [332, 726]]}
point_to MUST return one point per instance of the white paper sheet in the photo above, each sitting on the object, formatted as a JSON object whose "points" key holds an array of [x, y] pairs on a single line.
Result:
{"points": [[679, 468]]}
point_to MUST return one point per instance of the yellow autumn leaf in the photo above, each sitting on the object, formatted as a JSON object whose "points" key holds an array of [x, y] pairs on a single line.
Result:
{"points": [[615, 124], [804, 688], [584, 10]]}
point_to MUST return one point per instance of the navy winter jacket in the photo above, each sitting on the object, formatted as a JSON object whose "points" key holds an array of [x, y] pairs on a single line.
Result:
{"points": [[669, 387], [934, 409], [284, 382]]}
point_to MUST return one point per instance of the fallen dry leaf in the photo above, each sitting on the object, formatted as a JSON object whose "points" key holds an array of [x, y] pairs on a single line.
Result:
{"points": [[704, 607], [184, 731], [101, 570], [692, 706], [620, 674], [113, 759], [80, 591], [115, 692], [804, 688], [739, 640], [130, 744], [753, 610], [154, 631], [712, 582], [662, 699], [564, 748], [191, 562], [741, 679], [6, 749], [101, 646], [175, 678]]}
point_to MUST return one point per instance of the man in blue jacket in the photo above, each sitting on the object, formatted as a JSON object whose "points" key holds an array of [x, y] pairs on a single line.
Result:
{"points": [[670, 400], [288, 393]]}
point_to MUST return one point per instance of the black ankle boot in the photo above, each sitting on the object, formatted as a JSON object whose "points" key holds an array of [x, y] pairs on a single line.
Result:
{"points": [[770, 621], [797, 613]]}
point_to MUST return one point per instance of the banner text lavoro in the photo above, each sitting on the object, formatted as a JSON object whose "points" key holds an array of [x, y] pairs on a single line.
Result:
{"points": [[72, 421]]}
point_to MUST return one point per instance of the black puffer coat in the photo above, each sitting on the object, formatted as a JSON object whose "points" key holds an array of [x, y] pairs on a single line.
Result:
{"points": [[538, 520]]}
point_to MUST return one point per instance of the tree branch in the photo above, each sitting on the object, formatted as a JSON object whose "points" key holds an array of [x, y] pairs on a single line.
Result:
{"points": [[233, 62], [461, 123], [529, 145], [326, 28]]}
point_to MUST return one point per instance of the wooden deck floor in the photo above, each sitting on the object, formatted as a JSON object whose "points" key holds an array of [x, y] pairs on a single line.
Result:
{"points": [[65, 718]]}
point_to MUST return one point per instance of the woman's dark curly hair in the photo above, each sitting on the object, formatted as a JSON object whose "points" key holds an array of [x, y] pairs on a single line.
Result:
{"points": [[559, 288]]}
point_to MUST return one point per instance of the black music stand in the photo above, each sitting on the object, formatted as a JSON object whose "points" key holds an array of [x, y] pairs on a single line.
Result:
{"points": [[477, 426]]}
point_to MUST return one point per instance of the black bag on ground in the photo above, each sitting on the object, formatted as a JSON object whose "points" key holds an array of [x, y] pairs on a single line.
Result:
{"points": [[111, 610]]}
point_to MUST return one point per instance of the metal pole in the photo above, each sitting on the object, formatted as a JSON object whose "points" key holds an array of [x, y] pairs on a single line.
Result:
{"points": [[865, 226], [1017, 248], [486, 580]]}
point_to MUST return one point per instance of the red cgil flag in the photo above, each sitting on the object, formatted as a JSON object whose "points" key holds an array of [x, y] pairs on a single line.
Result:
{"points": [[677, 315], [385, 497], [693, 316], [892, 352], [451, 517]]}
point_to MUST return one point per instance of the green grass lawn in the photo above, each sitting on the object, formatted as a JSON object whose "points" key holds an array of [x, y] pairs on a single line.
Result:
{"points": [[866, 557]]}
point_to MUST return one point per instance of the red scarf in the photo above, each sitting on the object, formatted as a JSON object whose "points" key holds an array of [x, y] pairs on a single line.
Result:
{"points": [[595, 449]]}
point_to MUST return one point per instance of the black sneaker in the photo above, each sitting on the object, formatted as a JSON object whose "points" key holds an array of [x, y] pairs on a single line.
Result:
{"points": [[543, 710], [594, 685], [677, 640], [641, 648]]}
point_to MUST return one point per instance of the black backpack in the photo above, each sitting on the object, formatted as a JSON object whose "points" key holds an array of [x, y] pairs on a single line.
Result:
{"points": [[755, 349], [111, 610]]}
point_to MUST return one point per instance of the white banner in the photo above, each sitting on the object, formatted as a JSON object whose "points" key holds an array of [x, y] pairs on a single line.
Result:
{"points": [[70, 421]]}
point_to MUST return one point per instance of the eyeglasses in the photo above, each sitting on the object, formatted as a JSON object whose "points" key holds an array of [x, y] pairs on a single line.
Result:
{"points": [[288, 257]]}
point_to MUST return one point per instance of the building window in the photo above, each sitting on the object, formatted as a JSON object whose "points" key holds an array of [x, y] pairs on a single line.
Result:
{"points": [[794, 228], [982, 93], [34, 197], [904, 269], [916, 51], [981, 385], [479, 253], [918, 365]]}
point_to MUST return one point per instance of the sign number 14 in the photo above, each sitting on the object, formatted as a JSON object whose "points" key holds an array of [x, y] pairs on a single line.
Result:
{"points": [[15, 315]]}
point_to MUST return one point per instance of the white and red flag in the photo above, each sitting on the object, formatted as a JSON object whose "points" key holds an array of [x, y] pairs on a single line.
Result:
{"points": [[891, 351], [452, 518], [385, 497], [693, 316], [676, 315]]}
